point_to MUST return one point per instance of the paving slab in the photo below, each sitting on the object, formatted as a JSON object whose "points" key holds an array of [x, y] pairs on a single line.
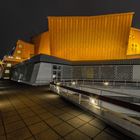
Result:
{"points": [[34, 113]]}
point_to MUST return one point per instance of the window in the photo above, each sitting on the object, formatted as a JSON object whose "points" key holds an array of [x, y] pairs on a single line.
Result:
{"points": [[54, 72], [9, 64], [18, 57], [7, 71], [59, 74], [59, 67], [6, 77], [54, 67], [19, 51], [20, 46]]}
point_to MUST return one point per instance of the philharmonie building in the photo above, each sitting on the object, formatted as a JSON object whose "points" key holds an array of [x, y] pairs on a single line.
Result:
{"points": [[91, 61]]}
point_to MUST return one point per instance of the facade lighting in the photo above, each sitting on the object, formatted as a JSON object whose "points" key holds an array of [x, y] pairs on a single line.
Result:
{"points": [[10, 57], [58, 83], [18, 57], [73, 83], [54, 76], [93, 101], [106, 83], [58, 89]]}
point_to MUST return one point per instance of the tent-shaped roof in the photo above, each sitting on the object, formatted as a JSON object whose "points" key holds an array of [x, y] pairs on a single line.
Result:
{"points": [[78, 38]]}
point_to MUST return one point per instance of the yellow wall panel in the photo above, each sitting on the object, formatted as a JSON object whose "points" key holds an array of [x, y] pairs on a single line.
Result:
{"points": [[134, 43], [42, 43], [24, 50], [90, 37]]}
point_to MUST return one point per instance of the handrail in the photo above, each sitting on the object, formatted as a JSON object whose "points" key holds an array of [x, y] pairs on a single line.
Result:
{"points": [[124, 104], [108, 90], [101, 80], [67, 81]]}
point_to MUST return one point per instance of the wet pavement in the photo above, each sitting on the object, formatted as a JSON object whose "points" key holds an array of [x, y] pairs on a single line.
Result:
{"points": [[35, 113]]}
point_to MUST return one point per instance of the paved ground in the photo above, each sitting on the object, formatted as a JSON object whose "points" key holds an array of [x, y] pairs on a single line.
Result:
{"points": [[34, 113]]}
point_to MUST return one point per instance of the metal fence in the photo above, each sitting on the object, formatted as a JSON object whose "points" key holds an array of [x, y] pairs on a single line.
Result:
{"points": [[104, 107]]}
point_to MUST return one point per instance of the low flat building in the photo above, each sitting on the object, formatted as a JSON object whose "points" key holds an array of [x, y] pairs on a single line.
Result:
{"points": [[43, 69]]}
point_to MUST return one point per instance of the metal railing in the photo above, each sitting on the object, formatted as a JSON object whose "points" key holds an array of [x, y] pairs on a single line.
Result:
{"points": [[103, 81], [97, 104]]}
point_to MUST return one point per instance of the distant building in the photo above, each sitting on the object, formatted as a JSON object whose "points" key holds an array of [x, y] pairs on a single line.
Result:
{"points": [[22, 52]]}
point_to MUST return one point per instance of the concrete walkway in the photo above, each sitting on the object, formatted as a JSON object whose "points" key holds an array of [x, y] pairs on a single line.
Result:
{"points": [[34, 113]]}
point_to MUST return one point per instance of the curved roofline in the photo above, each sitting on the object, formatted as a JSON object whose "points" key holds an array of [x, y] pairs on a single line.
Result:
{"points": [[132, 13], [133, 28]]}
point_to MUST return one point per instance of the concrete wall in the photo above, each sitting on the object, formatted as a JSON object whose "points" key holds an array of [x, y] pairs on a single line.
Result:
{"points": [[136, 72], [44, 75], [104, 72], [33, 74], [67, 72]]}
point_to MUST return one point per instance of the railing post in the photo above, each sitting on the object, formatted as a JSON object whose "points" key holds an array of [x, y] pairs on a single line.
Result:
{"points": [[137, 84], [79, 98], [113, 83], [83, 82], [101, 92], [93, 82], [67, 93]]}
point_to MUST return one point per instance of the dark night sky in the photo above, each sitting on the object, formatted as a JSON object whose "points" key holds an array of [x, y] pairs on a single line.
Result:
{"points": [[21, 19]]}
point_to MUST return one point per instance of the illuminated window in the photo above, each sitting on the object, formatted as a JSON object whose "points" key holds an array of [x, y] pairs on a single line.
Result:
{"points": [[20, 46], [19, 51], [18, 57], [10, 57], [7, 71], [133, 37], [6, 77], [9, 64]]}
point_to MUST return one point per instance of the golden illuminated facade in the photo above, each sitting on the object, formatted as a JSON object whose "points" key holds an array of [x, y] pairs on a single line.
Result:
{"points": [[81, 38], [23, 51], [42, 43], [90, 37], [134, 43]]}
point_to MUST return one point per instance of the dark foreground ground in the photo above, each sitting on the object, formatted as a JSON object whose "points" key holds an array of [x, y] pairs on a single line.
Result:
{"points": [[34, 113]]}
